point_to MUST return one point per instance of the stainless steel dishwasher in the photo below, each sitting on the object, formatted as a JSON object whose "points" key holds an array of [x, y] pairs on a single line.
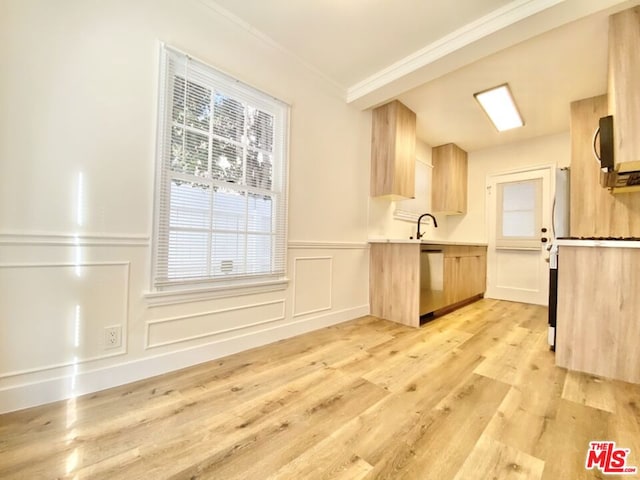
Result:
{"points": [[431, 279]]}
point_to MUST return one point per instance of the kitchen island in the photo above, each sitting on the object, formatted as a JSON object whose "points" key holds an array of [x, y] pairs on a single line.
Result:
{"points": [[411, 278], [598, 322]]}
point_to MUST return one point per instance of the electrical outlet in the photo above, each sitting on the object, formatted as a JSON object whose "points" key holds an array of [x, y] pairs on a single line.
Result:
{"points": [[113, 336]]}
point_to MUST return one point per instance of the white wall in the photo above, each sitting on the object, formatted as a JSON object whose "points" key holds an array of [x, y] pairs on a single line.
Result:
{"points": [[383, 223], [551, 149], [77, 135]]}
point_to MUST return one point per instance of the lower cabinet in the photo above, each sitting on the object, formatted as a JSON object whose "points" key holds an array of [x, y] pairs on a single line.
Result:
{"points": [[465, 273], [394, 279], [394, 282]]}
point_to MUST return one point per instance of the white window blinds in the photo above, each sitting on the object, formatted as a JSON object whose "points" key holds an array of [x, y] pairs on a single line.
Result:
{"points": [[221, 205]]}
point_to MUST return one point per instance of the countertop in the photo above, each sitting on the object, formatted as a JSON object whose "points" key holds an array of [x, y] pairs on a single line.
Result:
{"points": [[598, 243], [559, 243], [425, 241]]}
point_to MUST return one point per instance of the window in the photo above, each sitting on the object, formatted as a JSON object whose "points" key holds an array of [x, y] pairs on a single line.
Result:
{"points": [[411, 209], [519, 214], [221, 205]]}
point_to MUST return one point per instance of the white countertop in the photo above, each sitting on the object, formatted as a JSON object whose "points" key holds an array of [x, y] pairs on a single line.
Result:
{"points": [[425, 241], [560, 243], [598, 243]]}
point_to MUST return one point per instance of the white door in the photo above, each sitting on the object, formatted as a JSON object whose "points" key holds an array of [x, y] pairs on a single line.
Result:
{"points": [[519, 219]]}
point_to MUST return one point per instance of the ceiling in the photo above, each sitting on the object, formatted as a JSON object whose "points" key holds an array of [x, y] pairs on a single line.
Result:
{"points": [[545, 74], [433, 56], [348, 40]]}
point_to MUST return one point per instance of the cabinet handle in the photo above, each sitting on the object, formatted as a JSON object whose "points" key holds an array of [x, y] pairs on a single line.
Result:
{"points": [[596, 134]]}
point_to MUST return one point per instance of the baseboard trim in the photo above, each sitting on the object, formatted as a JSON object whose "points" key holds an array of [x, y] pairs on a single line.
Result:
{"points": [[64, 387]]}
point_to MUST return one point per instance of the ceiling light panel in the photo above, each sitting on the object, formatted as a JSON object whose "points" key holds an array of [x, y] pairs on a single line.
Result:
{"points": [[500, 107]]}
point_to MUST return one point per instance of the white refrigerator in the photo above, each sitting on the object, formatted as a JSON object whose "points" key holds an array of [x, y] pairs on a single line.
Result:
{"points": [[560, 217]]}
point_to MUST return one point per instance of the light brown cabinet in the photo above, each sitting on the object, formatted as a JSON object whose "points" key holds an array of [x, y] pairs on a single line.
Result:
{"points": [[598, 328], [393, 151], [465, 272], [624, 97], [394, 282], [594, 211], [394, 279], [449, 180]]}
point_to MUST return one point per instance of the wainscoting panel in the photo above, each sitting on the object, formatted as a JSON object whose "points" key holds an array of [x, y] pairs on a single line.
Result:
{"points": [[61, 290], [313, 284], [55, 314], [179, 329]]}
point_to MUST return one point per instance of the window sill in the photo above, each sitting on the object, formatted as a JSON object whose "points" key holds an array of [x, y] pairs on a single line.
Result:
{"points": [[186, 295]]}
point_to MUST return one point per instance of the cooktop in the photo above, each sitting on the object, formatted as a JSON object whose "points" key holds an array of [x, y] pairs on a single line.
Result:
{"points": [[625, 239]]}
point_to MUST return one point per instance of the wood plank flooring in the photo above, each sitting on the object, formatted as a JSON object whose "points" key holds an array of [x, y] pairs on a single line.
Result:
{"points": [[471, 395]]}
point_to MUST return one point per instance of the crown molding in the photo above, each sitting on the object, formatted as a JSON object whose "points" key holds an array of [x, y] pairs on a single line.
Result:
{"points": [[465, 35], [266, 39]]}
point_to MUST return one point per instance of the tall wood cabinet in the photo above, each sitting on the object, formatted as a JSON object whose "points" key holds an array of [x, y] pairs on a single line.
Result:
{"points": [[449, 180], [624, 96], [393, 151], [594, 212]]}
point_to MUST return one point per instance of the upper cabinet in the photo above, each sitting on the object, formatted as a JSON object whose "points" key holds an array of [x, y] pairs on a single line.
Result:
{"points": [[594, 212], [624, 95], [393, 151], [449, 180]]}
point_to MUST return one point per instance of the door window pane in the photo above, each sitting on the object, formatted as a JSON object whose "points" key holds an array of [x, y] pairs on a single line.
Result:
{"points": [[519, 205]]}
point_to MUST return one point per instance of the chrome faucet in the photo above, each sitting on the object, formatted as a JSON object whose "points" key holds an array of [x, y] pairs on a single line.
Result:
{"points": [[435, 224]]}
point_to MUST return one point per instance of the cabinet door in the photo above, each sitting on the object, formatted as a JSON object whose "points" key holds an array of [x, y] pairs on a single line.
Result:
{"points": [[393, 147], [394, 282], [449, 180], [476, 275], [464, 277], [452, 280]]}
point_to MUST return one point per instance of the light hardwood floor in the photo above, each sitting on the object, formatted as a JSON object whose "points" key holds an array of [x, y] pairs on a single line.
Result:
{"points": [[471, 395]]}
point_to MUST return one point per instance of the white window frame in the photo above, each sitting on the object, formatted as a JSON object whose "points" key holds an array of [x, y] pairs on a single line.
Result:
{"points": [[212, 285]]}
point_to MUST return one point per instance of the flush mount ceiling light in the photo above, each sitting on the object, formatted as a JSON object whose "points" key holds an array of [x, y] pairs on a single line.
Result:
{"points": [[500, 107]]}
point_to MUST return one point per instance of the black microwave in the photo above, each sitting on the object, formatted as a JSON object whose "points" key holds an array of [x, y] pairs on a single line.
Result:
{"points": [[605, 132]]}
